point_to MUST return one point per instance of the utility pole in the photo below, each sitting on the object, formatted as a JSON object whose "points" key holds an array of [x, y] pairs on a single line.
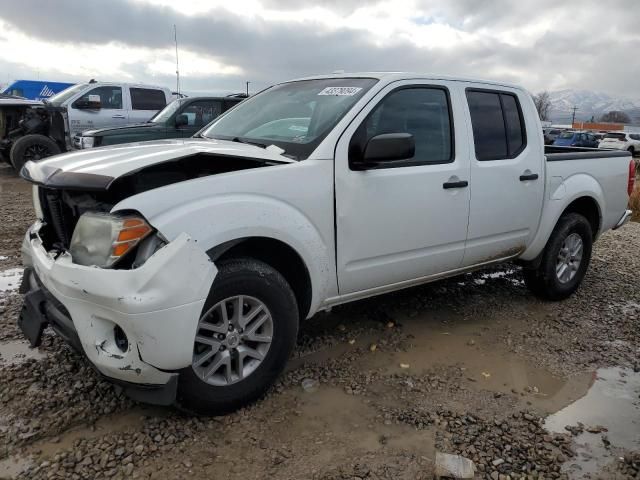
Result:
{"points": [[175, 38], [247, 88], [573, 118]]}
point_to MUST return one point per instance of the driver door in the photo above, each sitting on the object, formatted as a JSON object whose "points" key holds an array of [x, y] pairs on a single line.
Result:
{"points": [[112, 111], [403, 221]]}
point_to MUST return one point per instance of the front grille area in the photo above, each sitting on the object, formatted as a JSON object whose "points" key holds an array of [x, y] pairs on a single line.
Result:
{"points": [[58, 217]]}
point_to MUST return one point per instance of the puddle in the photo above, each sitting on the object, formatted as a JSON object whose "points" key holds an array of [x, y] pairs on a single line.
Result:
{"points": [[10, 279], [17, 351], [613, 402]]}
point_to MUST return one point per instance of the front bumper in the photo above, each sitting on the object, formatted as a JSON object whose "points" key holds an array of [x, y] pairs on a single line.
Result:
{"points": [[626, 216], [156, 305]]}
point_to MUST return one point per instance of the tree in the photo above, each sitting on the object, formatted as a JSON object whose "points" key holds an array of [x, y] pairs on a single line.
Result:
{"points": [[543, 104], [615, 116]]}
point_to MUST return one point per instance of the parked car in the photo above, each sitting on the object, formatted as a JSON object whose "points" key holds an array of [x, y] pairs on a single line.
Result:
{"points": [[47, 128], [621, 141], [183, 268], [550, 134], [576, 139], [180, 119]]}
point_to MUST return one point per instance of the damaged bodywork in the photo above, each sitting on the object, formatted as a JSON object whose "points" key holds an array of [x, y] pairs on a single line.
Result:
{"points": [[43, 128]]}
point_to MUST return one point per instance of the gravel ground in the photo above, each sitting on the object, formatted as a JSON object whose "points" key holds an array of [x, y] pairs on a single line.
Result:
{"points": [[471, 365]]}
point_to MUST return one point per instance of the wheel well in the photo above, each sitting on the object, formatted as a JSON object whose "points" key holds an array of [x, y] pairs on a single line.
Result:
{"points": [[588, 208], [277, 254]]}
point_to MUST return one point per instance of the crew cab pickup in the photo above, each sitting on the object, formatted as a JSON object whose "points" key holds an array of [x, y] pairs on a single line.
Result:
{"points": [[182, 268], [180, 119]]}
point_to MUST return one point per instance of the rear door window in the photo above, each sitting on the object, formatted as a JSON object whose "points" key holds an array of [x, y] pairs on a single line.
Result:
{"points": [[498, 127], [147, 99]]}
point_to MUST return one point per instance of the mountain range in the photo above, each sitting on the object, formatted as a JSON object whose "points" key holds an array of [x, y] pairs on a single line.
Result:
{"points": [[590, 104]]}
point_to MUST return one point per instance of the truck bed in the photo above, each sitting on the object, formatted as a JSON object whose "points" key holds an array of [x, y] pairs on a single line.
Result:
{"points": [[556, 154]]}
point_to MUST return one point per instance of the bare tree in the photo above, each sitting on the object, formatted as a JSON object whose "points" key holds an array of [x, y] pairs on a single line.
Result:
{"points": [[615, 116], [543, 104]]}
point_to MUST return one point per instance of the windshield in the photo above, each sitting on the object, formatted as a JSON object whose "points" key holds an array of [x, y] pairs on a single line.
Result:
{"points": [[60, 97], [294, 116], [567, 135], [165, 114]]}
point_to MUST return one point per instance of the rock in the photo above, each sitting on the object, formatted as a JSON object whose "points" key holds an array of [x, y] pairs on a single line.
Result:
{"points": [[453, 466], [497, 462]]}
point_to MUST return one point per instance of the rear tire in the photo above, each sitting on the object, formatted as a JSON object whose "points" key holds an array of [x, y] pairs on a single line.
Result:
{"points": [[565, 259], [206, 389], [32, 147]]}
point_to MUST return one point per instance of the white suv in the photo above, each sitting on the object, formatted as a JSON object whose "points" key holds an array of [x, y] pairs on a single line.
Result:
{"points": [[622, 141]]}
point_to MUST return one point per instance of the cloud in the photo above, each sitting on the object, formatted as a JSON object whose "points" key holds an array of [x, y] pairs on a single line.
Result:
{"points": [[542, 44]]}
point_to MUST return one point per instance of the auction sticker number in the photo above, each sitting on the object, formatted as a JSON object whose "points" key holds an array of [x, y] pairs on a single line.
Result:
{"points": [[340, 91]]}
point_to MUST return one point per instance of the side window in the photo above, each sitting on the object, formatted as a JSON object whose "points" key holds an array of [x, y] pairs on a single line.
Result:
{"points": [[424, 112], [110, 97], [202, 112], [498, 127], [635, 136], [147, 99]]}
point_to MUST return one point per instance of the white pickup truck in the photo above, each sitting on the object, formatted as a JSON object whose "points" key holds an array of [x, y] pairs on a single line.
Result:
{"points": [[182, 268]]}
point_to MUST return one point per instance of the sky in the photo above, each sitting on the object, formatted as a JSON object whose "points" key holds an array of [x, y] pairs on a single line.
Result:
{"points": [[540, 44]]}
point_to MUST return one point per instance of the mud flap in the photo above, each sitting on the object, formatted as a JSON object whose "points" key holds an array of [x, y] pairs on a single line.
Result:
{"points": [[32, 320]]}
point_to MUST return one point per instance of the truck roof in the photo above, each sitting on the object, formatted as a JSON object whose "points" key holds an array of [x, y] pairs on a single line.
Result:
{"points": [[395, 76], [124, 84]]}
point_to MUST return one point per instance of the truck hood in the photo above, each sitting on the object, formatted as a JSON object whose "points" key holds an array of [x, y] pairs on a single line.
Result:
{"points": [[98, 168]]}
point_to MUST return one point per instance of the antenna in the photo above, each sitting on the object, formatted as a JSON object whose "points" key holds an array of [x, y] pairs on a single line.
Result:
{"points": [[175, 38]]}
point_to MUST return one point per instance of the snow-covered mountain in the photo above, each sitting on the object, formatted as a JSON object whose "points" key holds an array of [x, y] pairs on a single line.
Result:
{"points": [[590, 104]]}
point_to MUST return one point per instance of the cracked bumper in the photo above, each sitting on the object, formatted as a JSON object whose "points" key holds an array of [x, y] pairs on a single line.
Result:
{"points": [[156, 305]]}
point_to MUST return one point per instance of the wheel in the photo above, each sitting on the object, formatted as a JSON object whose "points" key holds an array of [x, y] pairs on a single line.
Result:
{"points": [[247, 330], [564, 261], [632, 151], [32, 147]]}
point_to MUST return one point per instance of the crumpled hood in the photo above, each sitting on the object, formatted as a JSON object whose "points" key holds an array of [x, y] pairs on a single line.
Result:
{"points": [[97, 168]]}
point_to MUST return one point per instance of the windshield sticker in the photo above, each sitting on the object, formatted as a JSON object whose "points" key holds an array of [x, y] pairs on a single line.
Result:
{"points": [[340, 91]]}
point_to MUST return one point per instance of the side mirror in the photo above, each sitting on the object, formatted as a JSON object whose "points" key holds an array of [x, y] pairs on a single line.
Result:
{"points": [[93, 102], [387, 148], [182, 120]]}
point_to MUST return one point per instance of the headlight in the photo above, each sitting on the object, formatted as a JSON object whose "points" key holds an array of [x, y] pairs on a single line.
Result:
{"points": [[87, 142], [102, 239], [35, 198]]}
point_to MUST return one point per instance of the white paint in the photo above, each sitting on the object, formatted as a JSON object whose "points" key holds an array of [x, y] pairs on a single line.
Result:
{"points": [[10, 279], [396, 227]]}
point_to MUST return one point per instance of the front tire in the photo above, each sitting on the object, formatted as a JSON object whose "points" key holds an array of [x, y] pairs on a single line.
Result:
{"points": [[565, 259], [32, 147], [246, 333]]}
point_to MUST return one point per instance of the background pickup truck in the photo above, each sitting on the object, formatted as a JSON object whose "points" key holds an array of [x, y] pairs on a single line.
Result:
{"points": [[182, 268], [46, 129], [180, 119]]}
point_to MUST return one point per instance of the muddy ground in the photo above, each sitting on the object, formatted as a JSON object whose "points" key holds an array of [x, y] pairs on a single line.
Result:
{"points": [[473, 365]]}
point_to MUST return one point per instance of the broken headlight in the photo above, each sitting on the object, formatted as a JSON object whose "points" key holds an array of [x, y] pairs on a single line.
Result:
{"points": [[102, 239]]}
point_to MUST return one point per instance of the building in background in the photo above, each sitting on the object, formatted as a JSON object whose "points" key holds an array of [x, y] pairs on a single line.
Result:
{"points": [[35, 89]]}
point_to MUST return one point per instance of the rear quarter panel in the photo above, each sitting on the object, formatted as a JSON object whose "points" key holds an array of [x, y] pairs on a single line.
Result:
{"points": [[603, 179]]}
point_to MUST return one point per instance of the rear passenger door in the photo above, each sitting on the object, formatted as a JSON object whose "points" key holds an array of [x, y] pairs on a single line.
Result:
{"points": [[507, 177], [145, 103]]}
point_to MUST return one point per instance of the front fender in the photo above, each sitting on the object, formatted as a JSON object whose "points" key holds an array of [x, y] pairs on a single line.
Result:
{"points": [[559, 197], [215, 220]]}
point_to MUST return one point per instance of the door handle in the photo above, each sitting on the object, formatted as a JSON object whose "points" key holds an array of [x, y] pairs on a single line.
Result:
{"points": [[530, 176], [460, 184], [118, 116]]}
